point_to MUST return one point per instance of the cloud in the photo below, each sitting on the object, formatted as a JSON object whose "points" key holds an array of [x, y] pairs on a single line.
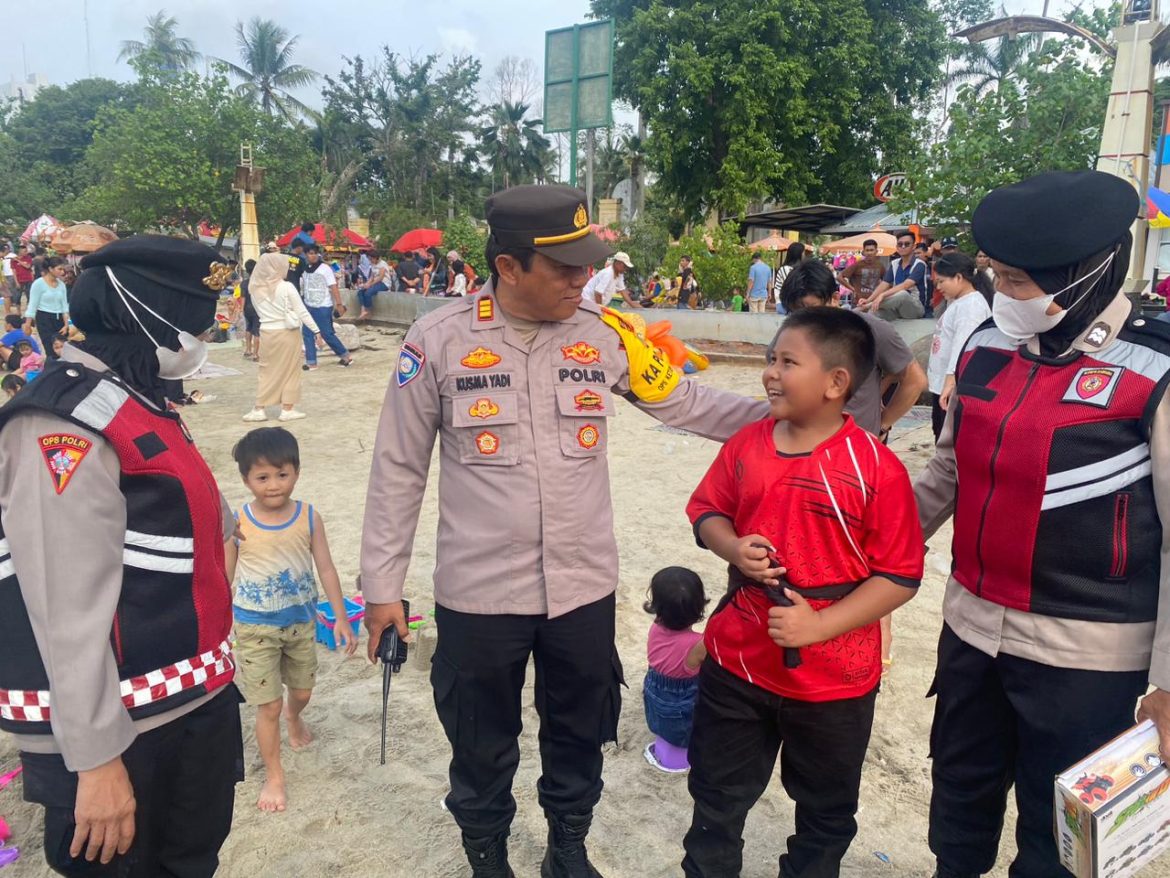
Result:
{"points": [[457, 40]]}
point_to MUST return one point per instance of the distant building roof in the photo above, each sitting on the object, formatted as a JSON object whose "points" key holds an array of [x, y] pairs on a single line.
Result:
{"points": [[23, 89], [810, 218], [863, 221]]}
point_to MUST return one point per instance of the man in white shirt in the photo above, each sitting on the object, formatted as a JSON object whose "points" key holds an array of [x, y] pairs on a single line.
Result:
{"points": [[608, 282], [9, 287], [323, 302]]}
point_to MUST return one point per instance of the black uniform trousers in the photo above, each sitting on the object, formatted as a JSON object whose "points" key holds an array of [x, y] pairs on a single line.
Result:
{"points": [[184, 776], [48, 326], [478, 674], [738, 730], [1006, 720]]}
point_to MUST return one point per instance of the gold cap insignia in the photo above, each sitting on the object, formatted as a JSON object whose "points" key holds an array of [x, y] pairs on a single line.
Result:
{"points": [[221, 273], [580, 218]]}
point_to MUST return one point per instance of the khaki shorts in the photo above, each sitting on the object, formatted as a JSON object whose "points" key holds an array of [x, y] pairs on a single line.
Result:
{"points": [[267, 657]]}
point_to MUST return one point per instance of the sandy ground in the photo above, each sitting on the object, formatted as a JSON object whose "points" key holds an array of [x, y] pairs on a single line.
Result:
{"points": [[348, 815]]}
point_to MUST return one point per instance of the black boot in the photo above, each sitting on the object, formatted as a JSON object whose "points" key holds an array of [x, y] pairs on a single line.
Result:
{"points": [[565, 856], [488, 856]]}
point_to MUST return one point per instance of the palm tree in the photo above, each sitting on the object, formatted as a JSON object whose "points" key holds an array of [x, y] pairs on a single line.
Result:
{"points": [[991, 64], [160, 43], [515, 149], [268, 72]]}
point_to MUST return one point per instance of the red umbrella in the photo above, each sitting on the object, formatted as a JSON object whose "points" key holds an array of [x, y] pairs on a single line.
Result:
{"points": [[330, 238], [418, 239]]}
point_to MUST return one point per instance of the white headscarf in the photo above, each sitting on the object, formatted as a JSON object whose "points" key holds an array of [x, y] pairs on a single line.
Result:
{"points": [[271, 269]]}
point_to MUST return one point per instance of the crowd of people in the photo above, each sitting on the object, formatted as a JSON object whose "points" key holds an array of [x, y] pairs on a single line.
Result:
{"points": [[1050, 411]]}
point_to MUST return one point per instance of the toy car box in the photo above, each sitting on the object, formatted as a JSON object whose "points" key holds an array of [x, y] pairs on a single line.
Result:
{"points": [[1112, 810]]}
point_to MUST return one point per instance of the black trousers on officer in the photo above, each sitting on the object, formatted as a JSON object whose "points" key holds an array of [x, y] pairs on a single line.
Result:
{"points": [[184, 776], [1006, 720], [737, 732], [478, 674]]}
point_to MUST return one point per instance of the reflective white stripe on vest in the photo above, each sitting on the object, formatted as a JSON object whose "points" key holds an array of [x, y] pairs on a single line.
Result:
{"points": [[101, 406], [161, 563], [160, 544], [148, 688], [1097, 470], [1096, 489], [6, 567]]}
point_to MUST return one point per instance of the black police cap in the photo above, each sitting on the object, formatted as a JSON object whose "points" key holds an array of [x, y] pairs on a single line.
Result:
{"points": [[1054, 219], [553, 220], [171, 264]]}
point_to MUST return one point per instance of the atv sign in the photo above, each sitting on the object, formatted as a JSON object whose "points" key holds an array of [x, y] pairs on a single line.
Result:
{"points": [[886, 187]]}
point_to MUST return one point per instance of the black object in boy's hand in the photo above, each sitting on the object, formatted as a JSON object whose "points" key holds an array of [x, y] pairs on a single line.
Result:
{"points": [[392, 654], [776, 594]]}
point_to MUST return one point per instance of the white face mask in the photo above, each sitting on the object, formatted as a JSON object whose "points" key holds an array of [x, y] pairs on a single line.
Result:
{"points": [[172, 365], [1023, 318]]}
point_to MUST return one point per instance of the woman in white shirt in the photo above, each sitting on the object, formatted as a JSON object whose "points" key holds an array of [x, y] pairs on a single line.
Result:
{"points": [[968, 292], [282, 314]]}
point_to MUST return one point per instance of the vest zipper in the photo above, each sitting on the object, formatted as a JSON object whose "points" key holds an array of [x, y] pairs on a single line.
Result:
{"points": [[991, 482]]}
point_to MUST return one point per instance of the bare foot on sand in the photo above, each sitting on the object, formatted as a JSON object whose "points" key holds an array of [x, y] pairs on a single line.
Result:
{"points": [[299, 736], [272, 796]]}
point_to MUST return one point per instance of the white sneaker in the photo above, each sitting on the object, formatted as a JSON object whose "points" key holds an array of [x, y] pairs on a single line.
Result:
{"points": [[256, 415], [291, 415]]}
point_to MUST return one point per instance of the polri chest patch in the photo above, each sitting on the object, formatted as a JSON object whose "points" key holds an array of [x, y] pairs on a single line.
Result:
{"points": [[1094, 385]]}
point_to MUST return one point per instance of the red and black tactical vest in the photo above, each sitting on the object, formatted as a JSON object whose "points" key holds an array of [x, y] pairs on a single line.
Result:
{"points": [[1054, 508], [170, 631]]}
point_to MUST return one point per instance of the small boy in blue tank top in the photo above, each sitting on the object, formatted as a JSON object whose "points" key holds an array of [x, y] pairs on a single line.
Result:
{"points": [[275, 598]]}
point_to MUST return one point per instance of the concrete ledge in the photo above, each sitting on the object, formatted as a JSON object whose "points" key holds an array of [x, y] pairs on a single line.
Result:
{"points": [[403, 309]]}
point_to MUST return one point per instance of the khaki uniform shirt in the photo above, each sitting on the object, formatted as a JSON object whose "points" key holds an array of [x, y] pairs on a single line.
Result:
{"points": [[1064, 643], [68, 559], [525, 515]]}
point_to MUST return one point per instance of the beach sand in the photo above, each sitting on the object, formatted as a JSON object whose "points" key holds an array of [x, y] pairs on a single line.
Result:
{"points": [[348, 815]]}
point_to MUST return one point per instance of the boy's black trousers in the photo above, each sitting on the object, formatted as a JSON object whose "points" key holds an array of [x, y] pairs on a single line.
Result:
{"points": [[739, 728]]}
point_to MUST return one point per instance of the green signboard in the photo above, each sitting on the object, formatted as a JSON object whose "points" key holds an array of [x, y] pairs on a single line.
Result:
{"points": [[578, 81]]}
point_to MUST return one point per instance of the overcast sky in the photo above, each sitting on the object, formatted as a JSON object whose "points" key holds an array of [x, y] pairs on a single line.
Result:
{"points": [[54, 44]]}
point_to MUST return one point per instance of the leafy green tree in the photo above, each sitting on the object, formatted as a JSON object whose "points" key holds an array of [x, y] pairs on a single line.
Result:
{"points": [[52, 132], [788, 100], [1048, 119], [161, 46], [168, 162], [721, 261], [24, 195], [990, 64], [513, 146], [406, 123], [268, 73], [462, 234]]}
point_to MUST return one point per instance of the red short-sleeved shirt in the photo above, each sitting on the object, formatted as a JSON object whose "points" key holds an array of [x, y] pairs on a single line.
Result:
{"points": [[840, 514]]}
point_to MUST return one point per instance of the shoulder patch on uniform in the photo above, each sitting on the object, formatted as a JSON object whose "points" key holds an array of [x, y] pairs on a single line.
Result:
{"points": [[410, 363], [485, 310], [63, 453]]}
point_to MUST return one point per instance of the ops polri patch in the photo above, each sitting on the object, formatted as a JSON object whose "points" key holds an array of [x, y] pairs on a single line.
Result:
{"points": [[410, 363]]}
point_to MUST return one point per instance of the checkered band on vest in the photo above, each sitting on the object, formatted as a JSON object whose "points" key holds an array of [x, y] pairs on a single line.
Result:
{"points": [[169, 634]]}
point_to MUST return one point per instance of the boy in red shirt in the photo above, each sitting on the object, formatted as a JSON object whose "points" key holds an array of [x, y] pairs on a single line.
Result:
{"points": [[818, 524]]}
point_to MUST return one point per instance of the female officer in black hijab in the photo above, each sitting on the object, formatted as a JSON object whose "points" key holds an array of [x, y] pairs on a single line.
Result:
{"points": [[1052, 620]]}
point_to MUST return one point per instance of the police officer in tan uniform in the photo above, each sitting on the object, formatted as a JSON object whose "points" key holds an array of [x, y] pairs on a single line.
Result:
{"points": [[519, 383]]}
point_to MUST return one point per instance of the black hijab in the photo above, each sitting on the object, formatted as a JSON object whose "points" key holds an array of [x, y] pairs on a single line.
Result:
{"points": [[114, 336], [1092, 295]]}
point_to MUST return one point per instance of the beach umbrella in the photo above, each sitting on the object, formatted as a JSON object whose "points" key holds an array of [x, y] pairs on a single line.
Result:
{"points": [[887, 243], [83, 237], [330, 238], [775, 243], [418, 239], [44, 226]]}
